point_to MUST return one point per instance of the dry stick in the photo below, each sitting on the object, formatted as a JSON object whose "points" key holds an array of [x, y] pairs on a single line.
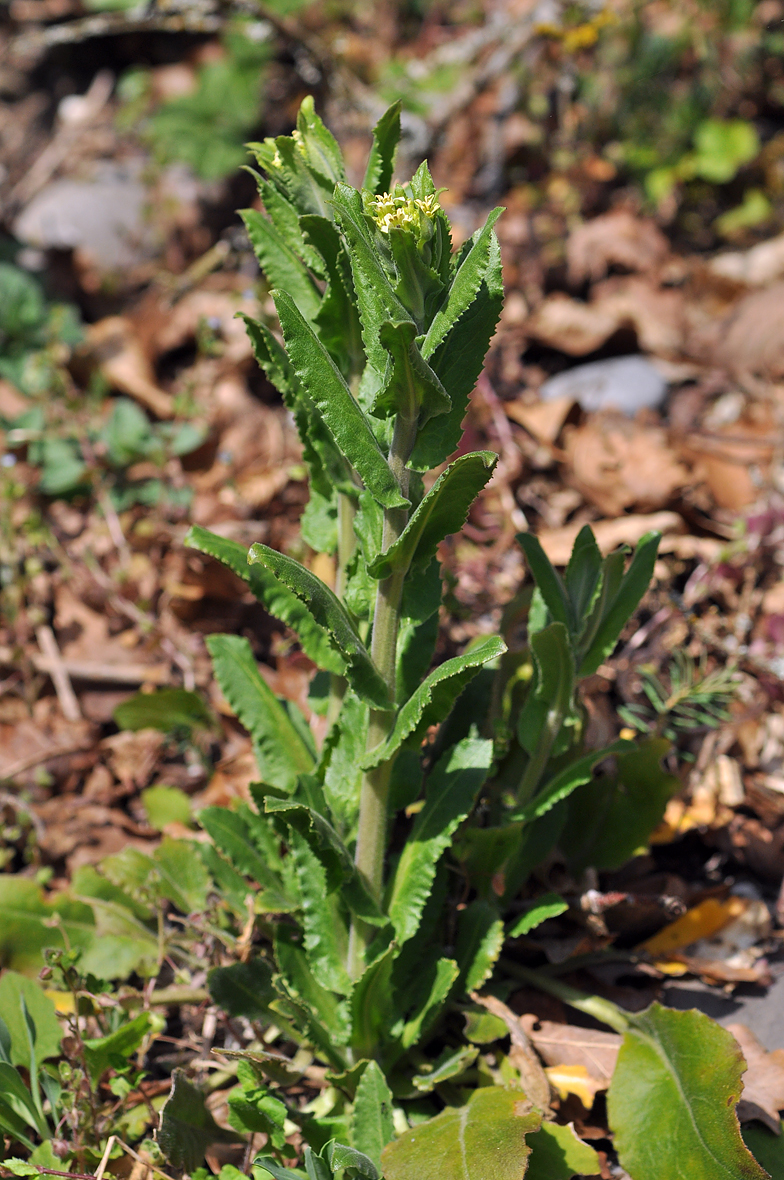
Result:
{"points": [[57, 670], [110, 1142], [42, 756]]}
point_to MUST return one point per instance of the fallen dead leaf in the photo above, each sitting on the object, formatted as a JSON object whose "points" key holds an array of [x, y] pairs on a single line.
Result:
{"points": [[543, 420], [567, 1044], [626, 530], [133, 756], [734, 460], [521, 1054], [571, 326], [752, 341], [758, 266], [701, 921], [618, 464], [763, 1081], [112, 343], [574, 1079], [617, 238]]}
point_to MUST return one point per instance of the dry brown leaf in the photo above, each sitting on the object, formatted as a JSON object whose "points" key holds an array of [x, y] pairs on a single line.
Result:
{"points": [[760, 265], [626, 530], [217, 309], [113, 344], [734, 460], [701, 921], [752, 340], [134, 756], [618, 464], [29, 742], [543, 420], [616, 238], [521, 1053], [571, 326], [567, 1044], [657, 315], [763, 1081]]}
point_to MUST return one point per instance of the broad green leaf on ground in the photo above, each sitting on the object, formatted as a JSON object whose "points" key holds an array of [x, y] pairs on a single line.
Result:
{"points": [[28, 923], [122, 944], [435, 696], [611, 819], [166, 709], [187, 1128], [381, 161], [332, 397], [279, 262], [483, 1140], [452, 788], [99, 1051], [471, 273], [371, 1120], [232, 835], [549, 906], [480, 936], [680, 1074], [242, 989], [767, 1148], [183, 877], [274, 596], [165, 805], [410, 388], [330, 614], [620, 609], [280, 749], [442, 511], [557, 1154], [48, 1033], [571, 777]]}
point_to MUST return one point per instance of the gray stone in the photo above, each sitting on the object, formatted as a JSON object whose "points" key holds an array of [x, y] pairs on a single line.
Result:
{"points": [[761, 1009], [626, 383]]}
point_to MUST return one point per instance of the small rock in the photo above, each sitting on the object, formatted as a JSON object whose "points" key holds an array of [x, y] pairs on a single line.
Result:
{"points": [[626, 383]]}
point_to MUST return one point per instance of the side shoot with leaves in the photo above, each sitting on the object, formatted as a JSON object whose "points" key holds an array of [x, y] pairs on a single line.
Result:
{"points": [[480, 761]]}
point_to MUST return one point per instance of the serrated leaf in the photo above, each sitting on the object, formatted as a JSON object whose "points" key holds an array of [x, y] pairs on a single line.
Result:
{"points": [[232, 835], [680, 1072], [557, 1154], [323, 1014], [442, 511], [325, 936], [183, 877], [187, 1128], [572, 776], [547, 580], [321, 149], [242, 989], [280, 264], [549, 906], [437, 987], [468, 279], [410, 385], [480, 936], [370, 1003], [344, 748], [452, 788], [371, 1120], [331, 396], [483, 1140], [434, 698], [329, 613], [458, 362], [281, 752], [337, 322], [617, 613], [274, 595], [381, 161], [287, 221]]}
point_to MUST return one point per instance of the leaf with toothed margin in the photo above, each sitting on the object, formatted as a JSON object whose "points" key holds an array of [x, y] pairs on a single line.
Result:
{"points": [[329, 613], [381, 161], [410, 385], [280, 264]]}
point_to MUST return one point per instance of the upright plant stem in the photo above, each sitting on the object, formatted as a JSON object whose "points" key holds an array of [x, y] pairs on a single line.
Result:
{"points": [[346, 545], [372, 830]]}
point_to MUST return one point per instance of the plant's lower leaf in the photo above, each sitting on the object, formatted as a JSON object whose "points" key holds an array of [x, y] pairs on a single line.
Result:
{"points": [[371, 1120], [343, 772], [549, 906], [680, 1073], [323, 925], [452, 789], [233, 836], [372, 1003], [548, 718], [557, 1154], [27, 926], [442, 511], [48, 1033], [273, 595], [15, 1096], [450, 1064], [99, 1051], [360, 1165], [243, 989], [767, 1148], [329, 613], [618, 610], [483, 1140], [267, 1164], [432, 701], [123, 944], [281, 751], [547, 580], [435, 989], [567, 780], [187, 1128], [183, 877], [480, 936], [326, 1015]]}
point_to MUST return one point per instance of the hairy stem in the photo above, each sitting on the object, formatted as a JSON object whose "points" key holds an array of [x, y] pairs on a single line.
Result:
{"points": [[346, 545], [372, 830]]}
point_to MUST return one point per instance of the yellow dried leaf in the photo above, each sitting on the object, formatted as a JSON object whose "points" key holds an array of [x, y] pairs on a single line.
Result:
{"points": [[63, 1002], [702, 921], [573, 1079]]}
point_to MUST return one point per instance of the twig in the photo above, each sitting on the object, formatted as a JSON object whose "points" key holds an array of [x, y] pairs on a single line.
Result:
{"points": [[139, 1160], [110, 1142], [93, 670], [23, 764], [9, 800], [59, 674]]}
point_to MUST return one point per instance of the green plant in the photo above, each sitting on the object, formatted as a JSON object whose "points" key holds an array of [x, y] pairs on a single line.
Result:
{"points": [[692, 699]]}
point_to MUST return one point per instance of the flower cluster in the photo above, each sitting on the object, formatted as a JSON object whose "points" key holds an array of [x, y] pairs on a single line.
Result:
{"points": [[398, 211]]}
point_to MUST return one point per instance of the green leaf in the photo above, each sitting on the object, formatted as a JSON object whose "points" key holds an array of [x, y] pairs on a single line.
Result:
{"points": [[435, 988], [432, 701], [557, 1154], [183, 877], [281, 266], [242, 989], [325, 936], [611, 819], [48, 1033], [274, 595], [572, 776], [449, 1064], [341, 1156], [442, 511], [165, 709], [268, 1164], [15, 1096], [381, 161], [371, 1121], [332, 397], [483, 1027], [370, 1003], [679, 1072], [452, 788], [321, 149], [330, 614], [28, 923], [20, 1167], [343, 749], [465, 286], [410, 387], [547, 580], [547, 719], [100, 1051], [583, 575], [722, 147], [123, 944], [548, 906], [620, 609], [281, 752], [483, 1140], [232, 835], [480, 936], [767, 1148], [165, 805], [323, 1015], [187, 1128]]}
